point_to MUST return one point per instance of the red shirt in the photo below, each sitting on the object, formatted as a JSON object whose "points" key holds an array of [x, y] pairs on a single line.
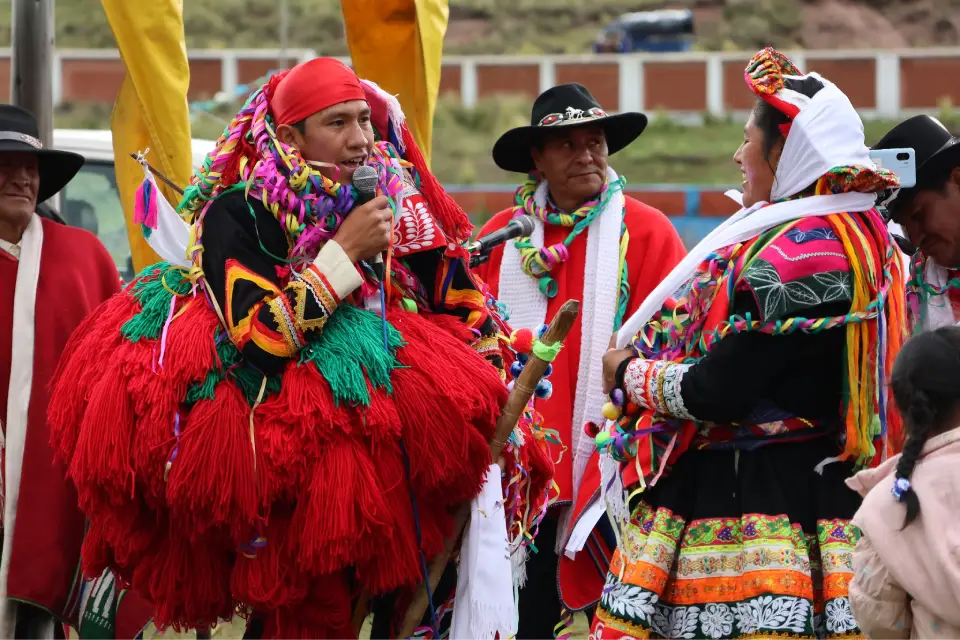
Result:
{"points": [[654, 249]]}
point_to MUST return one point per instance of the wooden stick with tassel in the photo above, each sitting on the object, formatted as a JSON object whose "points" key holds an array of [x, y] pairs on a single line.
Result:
{"points": [[517, 401]]}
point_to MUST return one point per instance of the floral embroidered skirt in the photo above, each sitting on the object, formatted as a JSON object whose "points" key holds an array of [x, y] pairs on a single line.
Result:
{"points": [[737, 544]]}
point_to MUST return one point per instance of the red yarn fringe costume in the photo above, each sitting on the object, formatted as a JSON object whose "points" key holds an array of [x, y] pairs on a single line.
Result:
{"points": [[288, 508]]}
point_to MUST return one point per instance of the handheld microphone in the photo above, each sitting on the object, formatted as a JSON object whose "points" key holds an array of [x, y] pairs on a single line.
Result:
{"points": [[519, 226], [365, 182]]}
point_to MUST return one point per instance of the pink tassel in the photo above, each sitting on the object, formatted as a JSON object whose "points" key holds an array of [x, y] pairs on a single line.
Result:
{"points": [[145, 204]]}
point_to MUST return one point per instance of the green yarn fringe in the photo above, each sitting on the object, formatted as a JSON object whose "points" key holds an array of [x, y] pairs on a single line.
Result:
{"points": [[347, 352], [230, 363], [351, 345], [154, 299]]}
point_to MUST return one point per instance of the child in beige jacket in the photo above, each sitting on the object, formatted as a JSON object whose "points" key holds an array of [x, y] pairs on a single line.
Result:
{"points": [[907, 565]]}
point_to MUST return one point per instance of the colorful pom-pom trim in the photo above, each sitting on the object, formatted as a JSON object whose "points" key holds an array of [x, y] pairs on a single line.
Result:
{"points": [[522, 341]]}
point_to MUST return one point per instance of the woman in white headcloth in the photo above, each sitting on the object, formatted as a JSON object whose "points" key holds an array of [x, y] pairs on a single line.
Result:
{"points": [[751, 383]]}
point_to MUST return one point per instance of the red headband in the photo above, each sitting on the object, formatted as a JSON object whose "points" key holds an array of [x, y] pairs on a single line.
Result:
{"points": [[310, 87]]}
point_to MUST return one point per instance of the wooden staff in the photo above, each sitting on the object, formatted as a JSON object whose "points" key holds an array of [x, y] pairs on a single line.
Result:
{"points": [[170, 183], [517, 401]]}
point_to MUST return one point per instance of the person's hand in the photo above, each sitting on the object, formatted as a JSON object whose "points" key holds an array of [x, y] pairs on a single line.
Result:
{"points": [[366, 230], [611, 360]]}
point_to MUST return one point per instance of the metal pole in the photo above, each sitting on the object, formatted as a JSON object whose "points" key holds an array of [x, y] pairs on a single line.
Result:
{"points": [[282, 62], [31, 77], [31, 73]]}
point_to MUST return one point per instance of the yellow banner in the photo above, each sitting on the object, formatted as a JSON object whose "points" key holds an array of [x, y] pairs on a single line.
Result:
{"points": [[398, 44], [151, 109]]}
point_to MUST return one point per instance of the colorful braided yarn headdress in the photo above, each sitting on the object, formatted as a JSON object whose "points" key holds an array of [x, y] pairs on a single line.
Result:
{"points": [[249, 156]]}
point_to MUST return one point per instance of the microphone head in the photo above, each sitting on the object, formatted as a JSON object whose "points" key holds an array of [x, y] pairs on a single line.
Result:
{"points": [[365, 182], [526, 224]]}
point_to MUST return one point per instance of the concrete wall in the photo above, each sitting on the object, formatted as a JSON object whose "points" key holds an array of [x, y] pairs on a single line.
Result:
{"points": [[880, 83]]}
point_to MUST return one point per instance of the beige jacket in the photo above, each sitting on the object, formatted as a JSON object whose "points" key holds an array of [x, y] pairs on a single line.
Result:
{"points": [[907, 583]]}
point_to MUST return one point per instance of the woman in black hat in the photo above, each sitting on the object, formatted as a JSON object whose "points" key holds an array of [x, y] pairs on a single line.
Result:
{"points": [[929, 213]]}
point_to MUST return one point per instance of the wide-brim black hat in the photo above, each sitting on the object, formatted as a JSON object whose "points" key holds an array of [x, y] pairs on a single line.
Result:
{"points": [[19, 133], [566, 105], [934, 147]]}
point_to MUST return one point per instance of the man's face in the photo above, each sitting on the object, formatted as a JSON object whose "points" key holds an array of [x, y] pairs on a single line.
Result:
{"points": [[340, 135], [931, 221], [19, 183], [574, 161]]}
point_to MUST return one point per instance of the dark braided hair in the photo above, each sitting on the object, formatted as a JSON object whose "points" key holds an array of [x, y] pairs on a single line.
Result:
{"points": [[926, 387]]}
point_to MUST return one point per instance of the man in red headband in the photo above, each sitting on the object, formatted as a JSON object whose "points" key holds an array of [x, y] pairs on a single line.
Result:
{"points": [[292, 430]]}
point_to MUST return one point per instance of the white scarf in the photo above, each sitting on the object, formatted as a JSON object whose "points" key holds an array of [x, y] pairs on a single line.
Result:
{"points": [[484, 605], [18, 404], [527, 309], [827, 133]]}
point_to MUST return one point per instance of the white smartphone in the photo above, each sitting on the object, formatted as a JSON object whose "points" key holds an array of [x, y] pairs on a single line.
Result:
{"points": [[902, 162]]}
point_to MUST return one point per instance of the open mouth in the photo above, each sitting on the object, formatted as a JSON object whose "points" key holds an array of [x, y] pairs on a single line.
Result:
{"points": [[353, 163]]}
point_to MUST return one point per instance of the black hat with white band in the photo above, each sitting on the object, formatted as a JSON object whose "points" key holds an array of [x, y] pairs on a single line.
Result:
{"points": [[565, 105], [19, 134], [935, 148]]}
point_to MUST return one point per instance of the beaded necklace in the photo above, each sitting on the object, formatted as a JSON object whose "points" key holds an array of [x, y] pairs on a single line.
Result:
{"points": [[538, 262]]}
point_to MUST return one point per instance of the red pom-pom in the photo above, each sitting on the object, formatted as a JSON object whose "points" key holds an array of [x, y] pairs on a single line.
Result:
{"points": [[522, 341], [591, 429]]}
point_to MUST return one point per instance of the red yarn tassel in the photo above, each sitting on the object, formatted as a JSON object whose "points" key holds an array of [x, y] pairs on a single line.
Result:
{"points": [[88, 349], [271, 579], [448, 457], [454, 222], [123, 534], [326, 612], [212, 481], [397, 561], [281, 459], [188, 579], [101, 461], [191, 348], [341, 518], [96, 555], [306, 404], [156, 408], [378, 423]]}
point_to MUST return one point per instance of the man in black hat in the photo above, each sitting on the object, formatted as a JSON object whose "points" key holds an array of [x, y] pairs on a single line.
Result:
{"points": [[52, 276], [594, 244], [929, 214]]}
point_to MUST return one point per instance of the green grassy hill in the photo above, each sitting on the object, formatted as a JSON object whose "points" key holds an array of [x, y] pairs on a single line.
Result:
{"points": [[547, 26]]}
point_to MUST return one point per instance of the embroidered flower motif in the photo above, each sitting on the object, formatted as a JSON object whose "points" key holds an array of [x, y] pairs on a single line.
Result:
{"points": [[799, 236], [717, 621], [776, 296], [414, 229], [676, 622], [769, 613], [626, 601], [836, 283], [839, 616]]}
